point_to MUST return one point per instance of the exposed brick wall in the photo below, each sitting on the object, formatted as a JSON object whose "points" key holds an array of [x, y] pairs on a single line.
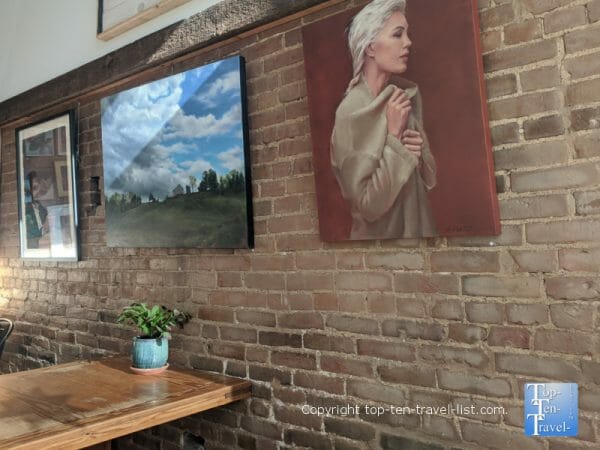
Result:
{"points": [[431, 322]]}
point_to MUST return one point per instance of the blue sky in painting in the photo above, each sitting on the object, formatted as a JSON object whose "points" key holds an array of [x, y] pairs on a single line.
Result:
{"points": [[156, 135]]}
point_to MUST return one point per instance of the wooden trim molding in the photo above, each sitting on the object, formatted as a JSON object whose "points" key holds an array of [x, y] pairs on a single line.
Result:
{"points": [[224, 22], [142, 17]]}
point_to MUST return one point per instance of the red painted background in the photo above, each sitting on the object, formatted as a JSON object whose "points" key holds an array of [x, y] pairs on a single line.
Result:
{"points": [[445, 62]]}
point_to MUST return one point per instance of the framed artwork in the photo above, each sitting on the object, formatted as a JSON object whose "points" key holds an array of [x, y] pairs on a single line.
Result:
{"points": [[48, 225], [115, 17], [401, 142], [176, 161]]}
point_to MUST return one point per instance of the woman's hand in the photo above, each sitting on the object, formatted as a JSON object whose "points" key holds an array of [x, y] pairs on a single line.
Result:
{"points": [[398, 110], [413, 141]]}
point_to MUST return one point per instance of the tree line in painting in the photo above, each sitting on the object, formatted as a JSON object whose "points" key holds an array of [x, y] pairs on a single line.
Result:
{"points": [[231, 183]]}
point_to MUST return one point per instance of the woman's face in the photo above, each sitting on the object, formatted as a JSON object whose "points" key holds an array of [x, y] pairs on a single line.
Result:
{"points": [[390, 48]]}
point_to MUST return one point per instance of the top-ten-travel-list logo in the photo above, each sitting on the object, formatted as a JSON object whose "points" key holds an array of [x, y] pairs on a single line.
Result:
{"points": [[551, 409]]}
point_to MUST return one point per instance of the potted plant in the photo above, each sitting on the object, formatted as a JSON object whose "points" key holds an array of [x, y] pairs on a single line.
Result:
{"points": [[151, 348]]}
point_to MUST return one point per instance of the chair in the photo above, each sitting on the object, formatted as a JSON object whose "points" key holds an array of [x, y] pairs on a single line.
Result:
{"points": [[6, 327]]}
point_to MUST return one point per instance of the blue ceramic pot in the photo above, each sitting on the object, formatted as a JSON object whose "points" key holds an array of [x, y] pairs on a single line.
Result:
{"points": [[150, 353]]}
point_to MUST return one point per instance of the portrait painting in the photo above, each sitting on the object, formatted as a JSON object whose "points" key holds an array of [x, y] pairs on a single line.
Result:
{"points": [[400, 135], [176, 163], [46, 188]]}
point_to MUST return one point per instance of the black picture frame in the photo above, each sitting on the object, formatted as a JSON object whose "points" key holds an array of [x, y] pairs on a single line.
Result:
{"points": [[181, 178], [48, 219]]}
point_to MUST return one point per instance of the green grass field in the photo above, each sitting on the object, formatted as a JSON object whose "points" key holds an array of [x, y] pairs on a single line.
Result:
{"points": [[201, 219]]}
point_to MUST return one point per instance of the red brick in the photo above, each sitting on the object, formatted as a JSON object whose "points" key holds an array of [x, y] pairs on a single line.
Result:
{"points": [[516, 33], [491, 40], [506, 133], [408, 374], [583, 66], [509, 235], [351, 429], [524, 105], [565, 19], [579, 175], [378, 302], [447, 309], [300, 281], [435, 283], [553, 152], [302, 320], [496, 16], [501, 85], [238, 334], [485, 312], [534, 207], [295, 416], [465, 261], [363, 281], [394, 261], [413, 330], [272, 262], [353, 324], [527, 314], [346, 366], [542, 6], [508, 337], [586, 38], [535, 261], [572, 316], [520, 56], [573, 288], [481, 285], [386, 350], [448, 356], [563, 232], [493, 437], [580, 259], [376, 392], [310, 380], [473, 384], [583, 92], [277, 339], [594, 10], [585, 118], [587, 145], [469, 334], [296, 360], [560, 341], [552, 368], [544, 127], [587, 202], [265, 281], [540, 78]]}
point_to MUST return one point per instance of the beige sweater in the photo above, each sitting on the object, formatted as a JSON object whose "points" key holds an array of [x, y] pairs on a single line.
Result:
{"points": [[378, 176]]}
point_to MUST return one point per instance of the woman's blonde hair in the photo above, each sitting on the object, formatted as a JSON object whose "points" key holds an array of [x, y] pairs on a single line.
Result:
{"points": [[364, 28]]}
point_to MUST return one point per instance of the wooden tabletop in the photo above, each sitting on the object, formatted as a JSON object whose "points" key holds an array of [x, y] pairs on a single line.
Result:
{"points": [[75, 405]]}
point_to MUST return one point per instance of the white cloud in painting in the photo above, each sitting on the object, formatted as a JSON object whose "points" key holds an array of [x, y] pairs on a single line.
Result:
{"points": [[227, 83], [194, 127], [132, 123], [196, 166], [232, 158]]}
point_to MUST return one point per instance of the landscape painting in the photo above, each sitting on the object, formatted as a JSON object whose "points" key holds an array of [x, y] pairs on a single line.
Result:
{"points": [[176, 166]]}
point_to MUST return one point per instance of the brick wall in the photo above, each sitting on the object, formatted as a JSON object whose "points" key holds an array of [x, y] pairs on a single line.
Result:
{"points": [[431, 322]]}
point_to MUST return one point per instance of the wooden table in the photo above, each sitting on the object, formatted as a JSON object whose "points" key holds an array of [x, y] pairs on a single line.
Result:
{"points": [[75, 405]]}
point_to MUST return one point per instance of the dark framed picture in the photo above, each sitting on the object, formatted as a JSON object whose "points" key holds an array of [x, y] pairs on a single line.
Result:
{"points": [[401, 141], [176, 161], [48, 224]]}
